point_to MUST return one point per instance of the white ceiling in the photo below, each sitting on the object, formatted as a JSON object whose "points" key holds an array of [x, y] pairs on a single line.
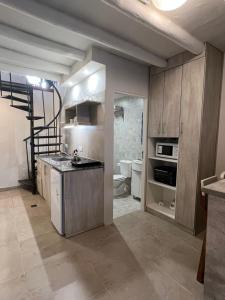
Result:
{"points": [[205, 19]]}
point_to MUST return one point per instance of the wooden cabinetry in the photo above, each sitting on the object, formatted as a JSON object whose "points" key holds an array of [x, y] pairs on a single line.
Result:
{"points": [[171, 103], [189, 142], [82, 196], [83, 113], [156, 105], [83, 200], [194, 104], [164, 108]]}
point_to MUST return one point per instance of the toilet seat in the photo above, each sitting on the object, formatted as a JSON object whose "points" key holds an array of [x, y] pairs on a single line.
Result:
{"points": [[118, 177]]}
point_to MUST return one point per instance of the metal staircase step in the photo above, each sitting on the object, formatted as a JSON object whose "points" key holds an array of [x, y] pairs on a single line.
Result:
{"points": [[44, 127], [15, 90], [47, 152], [14, 87], [47, 136], [27, 184], [9, 97], [48, 144], [21, 107], [34, 118]]}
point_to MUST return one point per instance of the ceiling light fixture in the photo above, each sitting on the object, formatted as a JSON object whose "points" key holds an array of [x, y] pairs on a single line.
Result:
{"points": [[168, 4]]}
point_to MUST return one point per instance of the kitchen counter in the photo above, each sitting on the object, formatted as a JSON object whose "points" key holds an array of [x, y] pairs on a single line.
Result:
{"points": [[76, 199], [216, 188], [214, 281], [65, 166]]}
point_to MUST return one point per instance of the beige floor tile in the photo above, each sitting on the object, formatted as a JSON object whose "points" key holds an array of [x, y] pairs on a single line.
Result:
{"points": [[14, 290], [82, 290], [37, 280], [165, 286], [124, 206], [10, 263], [134, 288], [139, 257], [181, 263], [67, 270], [6, 203]]}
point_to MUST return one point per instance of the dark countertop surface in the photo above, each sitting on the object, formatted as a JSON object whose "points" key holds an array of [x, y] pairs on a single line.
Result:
{"points": [[65, 166]]}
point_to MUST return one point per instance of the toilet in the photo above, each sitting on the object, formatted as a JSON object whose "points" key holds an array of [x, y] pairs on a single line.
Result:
{"points": [[122, 181]]}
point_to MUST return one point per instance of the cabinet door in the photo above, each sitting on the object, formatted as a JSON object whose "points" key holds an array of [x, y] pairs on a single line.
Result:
{"points": [[189, 142], [156, 105], [83, 199], [46, 170], [171, 104]]}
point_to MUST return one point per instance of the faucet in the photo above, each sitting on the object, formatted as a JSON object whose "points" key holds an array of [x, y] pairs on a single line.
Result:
{"points": [[65, 148]]}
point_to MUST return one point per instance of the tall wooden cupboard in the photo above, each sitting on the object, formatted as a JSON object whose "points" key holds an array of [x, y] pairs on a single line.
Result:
{"points": [[184, 108]]}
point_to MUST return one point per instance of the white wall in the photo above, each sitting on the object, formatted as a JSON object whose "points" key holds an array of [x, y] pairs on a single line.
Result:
{"points": [[122, 76], [220, 164], [89, 138], [13, 129]]}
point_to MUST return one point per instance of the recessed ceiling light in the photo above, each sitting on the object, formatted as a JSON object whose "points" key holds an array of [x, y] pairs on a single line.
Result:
{"points": [[168, 4]]}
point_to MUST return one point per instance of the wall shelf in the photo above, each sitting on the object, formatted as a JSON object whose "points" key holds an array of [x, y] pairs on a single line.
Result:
{"points": [[162, 210], [164, 159], [82, 113], [166, 186]]}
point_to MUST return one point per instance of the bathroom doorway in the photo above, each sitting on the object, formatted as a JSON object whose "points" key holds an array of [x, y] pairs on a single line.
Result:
{"points": [[129, 146]]}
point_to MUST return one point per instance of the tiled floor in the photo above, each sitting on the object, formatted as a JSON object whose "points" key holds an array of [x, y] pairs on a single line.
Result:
{"points": [[140, 257], [124, 206]]}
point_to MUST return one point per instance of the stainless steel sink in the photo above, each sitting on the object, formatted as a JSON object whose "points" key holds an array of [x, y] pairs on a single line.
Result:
{"points": [[61, 159]]}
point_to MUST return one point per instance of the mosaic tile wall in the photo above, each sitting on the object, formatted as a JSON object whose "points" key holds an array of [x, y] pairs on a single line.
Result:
{"points": [[128, 130]]}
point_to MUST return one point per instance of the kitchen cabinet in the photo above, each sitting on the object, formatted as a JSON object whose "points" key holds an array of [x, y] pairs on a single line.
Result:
{"points": [[83, 200], [200, 107], [195, 105], [75, 196], [46, 182], [83, 113], [156, 105], [164, 108], [56, 200], [171, 103], [189, 142]]}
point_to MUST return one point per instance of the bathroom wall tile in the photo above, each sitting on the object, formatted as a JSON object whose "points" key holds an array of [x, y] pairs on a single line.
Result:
{"points": [[127, 130]]}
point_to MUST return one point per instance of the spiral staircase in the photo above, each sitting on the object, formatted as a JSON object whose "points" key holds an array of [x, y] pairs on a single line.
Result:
{"points": [[44, 139]]}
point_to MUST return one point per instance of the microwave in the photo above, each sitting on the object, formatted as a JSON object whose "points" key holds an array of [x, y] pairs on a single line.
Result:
{"points": [[167, 150]]}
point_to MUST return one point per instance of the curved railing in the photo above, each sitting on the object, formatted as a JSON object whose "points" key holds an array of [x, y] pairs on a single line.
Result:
{"points": [[56, 116]]}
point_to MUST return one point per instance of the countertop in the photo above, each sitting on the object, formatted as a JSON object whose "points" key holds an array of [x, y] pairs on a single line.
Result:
{"points": [[216, 188], [65, 166]]}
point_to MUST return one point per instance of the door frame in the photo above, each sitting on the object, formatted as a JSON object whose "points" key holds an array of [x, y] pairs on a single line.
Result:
{"points": [[145, 142]]}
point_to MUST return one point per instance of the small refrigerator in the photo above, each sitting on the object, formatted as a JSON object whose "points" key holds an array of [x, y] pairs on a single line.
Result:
{"points": [[56, 201]]}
